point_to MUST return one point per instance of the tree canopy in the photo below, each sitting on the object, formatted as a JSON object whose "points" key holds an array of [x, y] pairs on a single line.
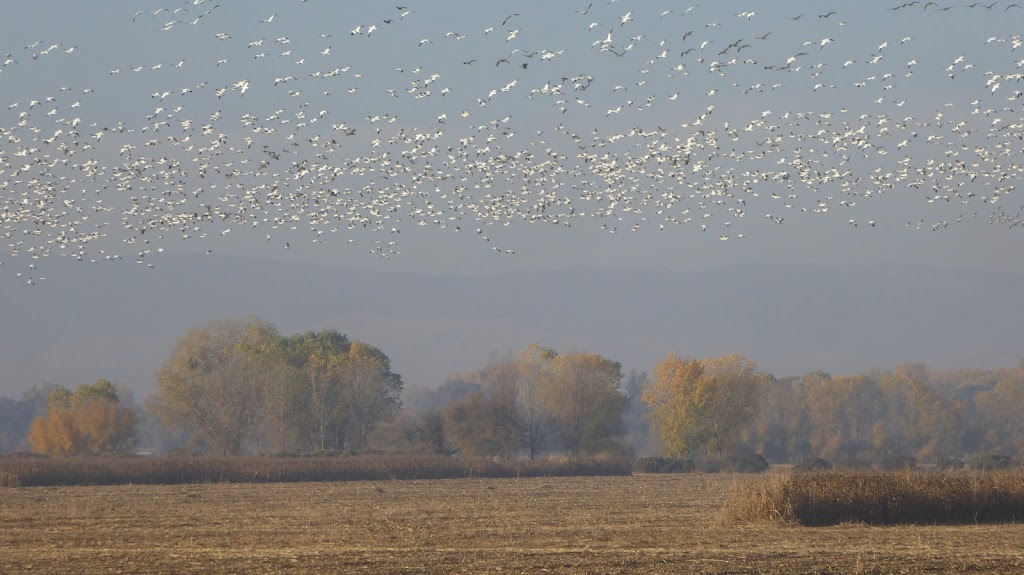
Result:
{"points": [[238, 385]]}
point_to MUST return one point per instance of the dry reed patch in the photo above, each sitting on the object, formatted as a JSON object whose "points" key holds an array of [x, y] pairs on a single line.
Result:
{"points": [[877, 498]]}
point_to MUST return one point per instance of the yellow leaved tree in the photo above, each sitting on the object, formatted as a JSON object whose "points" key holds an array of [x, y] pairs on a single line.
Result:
{"points": [[703, 406]]}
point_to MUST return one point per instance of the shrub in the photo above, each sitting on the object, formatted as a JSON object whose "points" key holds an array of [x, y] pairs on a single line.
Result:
{"points": [[991, 462], [749, 463], [662, 465], [812, 464], [897, 463], [949, 463], [745, 463]]}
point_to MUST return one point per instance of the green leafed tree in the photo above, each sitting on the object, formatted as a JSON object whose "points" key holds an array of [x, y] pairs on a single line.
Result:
{"points": [[319, 356]]}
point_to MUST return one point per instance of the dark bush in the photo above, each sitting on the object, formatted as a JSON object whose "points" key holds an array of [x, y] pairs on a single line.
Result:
{"points": [[991, 462], [749, 463], [949, 463], [662, 465], [897, 463], [709, 466], [812, 464]]}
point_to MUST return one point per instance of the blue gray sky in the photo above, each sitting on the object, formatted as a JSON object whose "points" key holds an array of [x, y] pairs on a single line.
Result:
{"points": [[437, 138]]}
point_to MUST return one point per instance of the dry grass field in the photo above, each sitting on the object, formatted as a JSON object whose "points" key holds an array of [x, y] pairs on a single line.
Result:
{"points": [[638, 524]]}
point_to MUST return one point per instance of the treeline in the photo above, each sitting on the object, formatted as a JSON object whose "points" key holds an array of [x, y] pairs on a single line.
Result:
{"points": [[724, 408], [231, 387], [532, 402], [894, 417], [239, 387]]}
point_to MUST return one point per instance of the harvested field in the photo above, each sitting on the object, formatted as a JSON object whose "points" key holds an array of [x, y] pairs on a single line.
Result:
{"points": [[638, 524]]}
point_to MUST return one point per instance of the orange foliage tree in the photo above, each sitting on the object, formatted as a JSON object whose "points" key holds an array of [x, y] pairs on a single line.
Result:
{"points": [[88, 421]]}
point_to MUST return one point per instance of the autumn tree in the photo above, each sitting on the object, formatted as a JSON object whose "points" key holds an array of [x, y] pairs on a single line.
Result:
{"points": [[534, 370], [425, 432], [917, 420], [54, 433], [782, 426], [482, 417], [675, 406], [482, 424], [704, 406], [86, 421], [635, 419], [582, 394], [370, 392], [281, 411], [213, 382], [843, 411], [999, 412], [239, 385]]}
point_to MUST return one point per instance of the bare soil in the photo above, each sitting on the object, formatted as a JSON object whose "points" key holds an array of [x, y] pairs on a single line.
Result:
{"points": [[639, 524]]}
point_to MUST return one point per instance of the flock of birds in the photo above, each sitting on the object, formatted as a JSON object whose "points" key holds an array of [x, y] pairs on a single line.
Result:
{"points": [[302, 126]]}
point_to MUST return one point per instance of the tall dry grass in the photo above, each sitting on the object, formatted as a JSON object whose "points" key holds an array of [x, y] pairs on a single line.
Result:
{"points": [[31, 472], [879, 498]]}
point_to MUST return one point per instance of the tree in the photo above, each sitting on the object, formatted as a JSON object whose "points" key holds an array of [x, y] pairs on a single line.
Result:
{"points": [[676, 407], [482, 424], [843, 412], [282, 408], [54, 434], [583, 397], [999, 413], [635, 420], [86, 421], [213, 382], [427, 434], [534, 369], [782, 427], [318, 356], [16, 416], [918, 420], [704, 406], [347, 386], [370, 391], [735, 383]]}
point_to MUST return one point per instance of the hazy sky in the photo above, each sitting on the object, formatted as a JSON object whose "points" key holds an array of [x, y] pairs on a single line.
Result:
{"points": [[613, 135]]}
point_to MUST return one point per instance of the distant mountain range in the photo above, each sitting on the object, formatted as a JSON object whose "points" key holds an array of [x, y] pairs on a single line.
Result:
{"points": [[120, 322]]}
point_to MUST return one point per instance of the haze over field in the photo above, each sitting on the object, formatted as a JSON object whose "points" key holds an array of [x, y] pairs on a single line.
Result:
{"points": [[816, 185]]}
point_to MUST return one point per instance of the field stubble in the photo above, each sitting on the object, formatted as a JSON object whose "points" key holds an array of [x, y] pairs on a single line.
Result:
{"points": [[639, 524]]}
